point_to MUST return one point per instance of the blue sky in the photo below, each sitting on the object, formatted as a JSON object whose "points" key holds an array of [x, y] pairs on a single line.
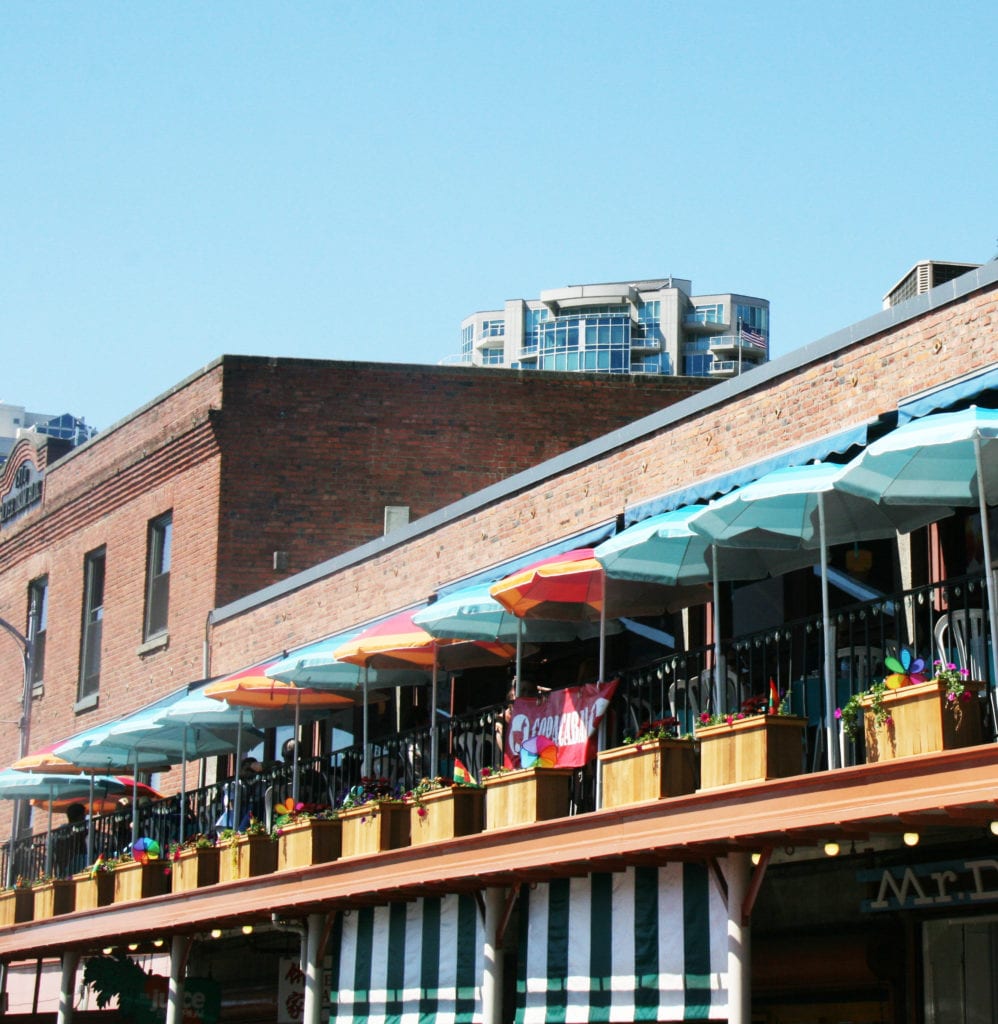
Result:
{"points": [[349, 180]]}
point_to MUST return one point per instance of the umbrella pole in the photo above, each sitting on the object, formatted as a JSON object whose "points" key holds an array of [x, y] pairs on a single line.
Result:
{"points": [[183, 786], [828, 645], [135, 800], [519, 652], [48, 841], [90, 824], [718, 666], [235, 782], [434, 744], [989, 574], [294, 757], [365, 763], [602, 631]]}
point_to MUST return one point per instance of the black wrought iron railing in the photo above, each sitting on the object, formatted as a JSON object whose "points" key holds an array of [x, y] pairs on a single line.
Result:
{"points": [[946, 621]]}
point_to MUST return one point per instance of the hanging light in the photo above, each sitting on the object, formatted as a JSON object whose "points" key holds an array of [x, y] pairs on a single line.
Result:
{"points": [[247, 929], [216, 933], [831, 848], [756, 857], [994, 828], [911, 838]]}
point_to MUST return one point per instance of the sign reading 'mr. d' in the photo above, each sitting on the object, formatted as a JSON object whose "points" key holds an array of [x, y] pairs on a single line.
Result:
{"points": [[944, 883], [21, 485]]}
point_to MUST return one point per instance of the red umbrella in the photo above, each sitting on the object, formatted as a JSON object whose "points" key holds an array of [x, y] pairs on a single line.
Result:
{"points": [[398, 642]]}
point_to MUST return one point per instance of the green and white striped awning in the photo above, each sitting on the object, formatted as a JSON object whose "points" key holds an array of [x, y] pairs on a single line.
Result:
{"points": [[419, 962], [647, 944]]}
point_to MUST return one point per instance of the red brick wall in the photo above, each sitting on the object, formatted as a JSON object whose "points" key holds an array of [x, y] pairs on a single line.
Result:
{"points": [[316, 450], [306, 454], [847, 388]]}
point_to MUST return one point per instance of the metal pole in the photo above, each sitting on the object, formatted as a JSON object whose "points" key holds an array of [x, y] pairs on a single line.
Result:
{"points": [[179, 950], [315, 929], [828, 642], [27, 645], [989, 573]]}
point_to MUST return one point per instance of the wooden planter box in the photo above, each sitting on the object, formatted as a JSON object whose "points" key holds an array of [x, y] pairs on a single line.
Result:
{"points": [[194, 869], [248, 857], [314, 841], [527, 795], [751, 750], [921, 721], [93, 891], [372, 828], [55, 898], [134, 880], [16, 906], [647, 771], [446, 814]]}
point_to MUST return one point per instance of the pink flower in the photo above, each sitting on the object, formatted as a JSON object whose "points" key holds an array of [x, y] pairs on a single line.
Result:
{"points": [[838, 712], [965, 696], [421, 811], [951, 696], [729, 719]]}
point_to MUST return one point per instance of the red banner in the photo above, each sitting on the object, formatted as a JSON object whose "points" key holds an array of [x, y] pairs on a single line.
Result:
{"points": [[558, 728]]}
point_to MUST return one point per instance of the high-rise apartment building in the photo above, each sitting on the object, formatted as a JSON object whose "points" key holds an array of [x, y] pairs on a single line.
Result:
{"points": [[16, 422], [655, 326]]}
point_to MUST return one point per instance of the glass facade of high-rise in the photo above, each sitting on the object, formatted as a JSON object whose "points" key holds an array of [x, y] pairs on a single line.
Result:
{"points": [[653, 326]]}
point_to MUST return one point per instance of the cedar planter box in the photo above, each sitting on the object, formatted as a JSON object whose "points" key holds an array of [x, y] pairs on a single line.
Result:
{"points": [[93, 891], [55, 898], [751, 749], [247, 857], [313, 841], [527, 795], [372, 828], [446, 814], [921, 721], [650, 770], [16, 906], [134, 880], [195, 868]]}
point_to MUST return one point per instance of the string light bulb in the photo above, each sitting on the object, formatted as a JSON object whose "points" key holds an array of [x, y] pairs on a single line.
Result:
{"points": [[831, 848], [247, 929], [216, 933], [911, 838]]}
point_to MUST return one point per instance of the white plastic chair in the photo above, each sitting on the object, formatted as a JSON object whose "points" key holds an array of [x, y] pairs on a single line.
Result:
{"points": [[962, 632], [859, 662]]}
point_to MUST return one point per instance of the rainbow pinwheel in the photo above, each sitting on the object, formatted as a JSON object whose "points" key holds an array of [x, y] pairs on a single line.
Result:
{"points": [[145, 849], [539, 752], [904, 670]]}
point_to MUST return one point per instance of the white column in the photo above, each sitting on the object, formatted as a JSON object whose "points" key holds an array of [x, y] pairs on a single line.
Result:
{"points": [[492, 985], [316, 925], [67, 988], [175, 991], [739, 941]]}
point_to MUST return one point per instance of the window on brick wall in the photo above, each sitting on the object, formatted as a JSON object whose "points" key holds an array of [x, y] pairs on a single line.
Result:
{"points": [[38, 613], [160, 544], [93, 621]]}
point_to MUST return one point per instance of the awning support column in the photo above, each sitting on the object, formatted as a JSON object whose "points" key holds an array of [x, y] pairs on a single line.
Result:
{"points": [[67, 986], [739, 940], [492, 977], [180, 949], [315, 933]]}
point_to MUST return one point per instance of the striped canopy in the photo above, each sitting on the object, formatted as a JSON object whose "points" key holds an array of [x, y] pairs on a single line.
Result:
{"points": [[409, 961], [649, 943]]}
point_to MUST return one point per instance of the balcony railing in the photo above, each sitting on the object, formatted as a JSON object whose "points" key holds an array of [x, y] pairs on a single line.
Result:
{"points": [[679, 684]]}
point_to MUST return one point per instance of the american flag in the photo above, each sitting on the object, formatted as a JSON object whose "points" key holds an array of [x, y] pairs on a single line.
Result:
{"points": [[753, 337]]}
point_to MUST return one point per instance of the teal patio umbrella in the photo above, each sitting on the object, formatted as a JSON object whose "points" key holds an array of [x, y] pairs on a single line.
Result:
{"points": [[946, 458], [49, 787], [797, 508]]}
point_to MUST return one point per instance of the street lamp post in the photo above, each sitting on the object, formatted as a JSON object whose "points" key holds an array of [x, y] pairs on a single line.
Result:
{"points": [[27, 645]]}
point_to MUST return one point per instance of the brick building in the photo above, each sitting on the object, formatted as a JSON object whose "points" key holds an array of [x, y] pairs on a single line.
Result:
{"points": [[807, 929], [241, 476]]}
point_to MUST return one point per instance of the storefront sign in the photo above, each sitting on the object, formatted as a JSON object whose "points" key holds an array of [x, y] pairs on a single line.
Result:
{"points": [[941, 884], [24, 493], [291, 991], [567, 718]]}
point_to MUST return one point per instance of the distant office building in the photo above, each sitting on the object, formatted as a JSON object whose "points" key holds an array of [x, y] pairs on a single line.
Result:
{"points": [[923, 277], [16, 422], [656, 327]]}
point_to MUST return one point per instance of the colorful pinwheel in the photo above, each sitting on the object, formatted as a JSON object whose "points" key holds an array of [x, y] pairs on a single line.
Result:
{"points": [[904, 671], [539, 752], [145, 849]]}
